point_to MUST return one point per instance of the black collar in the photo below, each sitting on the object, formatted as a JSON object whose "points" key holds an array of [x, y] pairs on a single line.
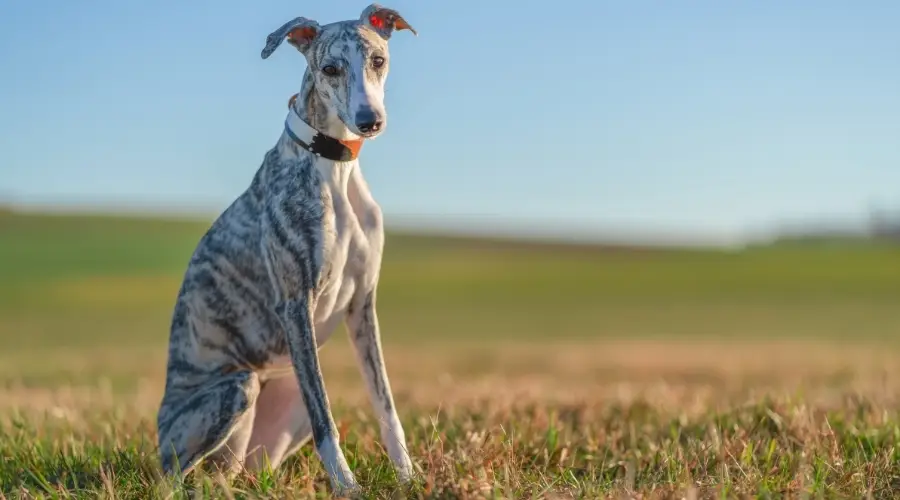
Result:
{"points": [[316, 142]]}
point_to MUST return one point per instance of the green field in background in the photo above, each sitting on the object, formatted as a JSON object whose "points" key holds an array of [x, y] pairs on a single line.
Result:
{"points": [[75, 281]]}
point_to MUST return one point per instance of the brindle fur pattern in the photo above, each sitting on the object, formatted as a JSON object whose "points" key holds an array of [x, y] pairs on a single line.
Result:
{"points": [[295, 254]]}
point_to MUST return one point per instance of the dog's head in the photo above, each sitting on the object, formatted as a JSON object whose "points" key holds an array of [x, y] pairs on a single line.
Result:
{"points": [[348, 63]]}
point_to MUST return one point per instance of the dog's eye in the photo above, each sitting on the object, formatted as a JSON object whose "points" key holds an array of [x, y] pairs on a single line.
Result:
{"points": [[378, 61], [329, 70]]}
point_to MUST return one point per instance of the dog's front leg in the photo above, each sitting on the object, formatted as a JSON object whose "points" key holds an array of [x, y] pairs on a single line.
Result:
{"points": [[293, 271], [296, 316], [362, 325]]}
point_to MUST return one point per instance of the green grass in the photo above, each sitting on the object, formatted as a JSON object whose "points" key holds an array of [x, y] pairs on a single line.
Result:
{"points": [[124, 273], [522, 369], [769, 450]]}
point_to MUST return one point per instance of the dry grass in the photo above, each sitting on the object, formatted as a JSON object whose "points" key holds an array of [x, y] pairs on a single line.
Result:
{"points": [[437, 374], [585, 420]]}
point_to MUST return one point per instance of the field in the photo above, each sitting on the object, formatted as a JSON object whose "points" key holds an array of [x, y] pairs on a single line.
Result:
{"points": [[521, 370]]}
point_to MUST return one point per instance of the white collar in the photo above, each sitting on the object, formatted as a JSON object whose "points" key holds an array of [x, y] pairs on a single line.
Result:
{"points": [[314, 141]]}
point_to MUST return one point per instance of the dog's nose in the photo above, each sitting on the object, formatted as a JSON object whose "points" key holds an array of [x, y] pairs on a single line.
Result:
{"points": [[367, 121], [369, 127]]}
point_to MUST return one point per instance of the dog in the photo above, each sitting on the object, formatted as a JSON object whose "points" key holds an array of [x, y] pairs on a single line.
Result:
{"points": [[296, 254]]}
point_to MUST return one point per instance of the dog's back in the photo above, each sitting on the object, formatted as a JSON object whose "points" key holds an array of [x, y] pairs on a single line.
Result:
{"points": [[225, 295]]}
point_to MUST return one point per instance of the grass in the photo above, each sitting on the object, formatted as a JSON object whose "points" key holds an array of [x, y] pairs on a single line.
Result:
{"points": [[521, 370], [767, 449]]}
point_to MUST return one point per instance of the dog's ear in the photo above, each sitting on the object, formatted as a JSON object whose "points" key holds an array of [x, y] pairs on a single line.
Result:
{"points": [[299, 32], [384, 21]]}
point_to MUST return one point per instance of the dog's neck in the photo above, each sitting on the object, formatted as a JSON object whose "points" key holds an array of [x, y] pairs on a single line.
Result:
{"points": [[309, 116]]}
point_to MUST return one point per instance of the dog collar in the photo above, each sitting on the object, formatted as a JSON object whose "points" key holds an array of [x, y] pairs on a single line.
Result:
{"points": [[316, 142]]}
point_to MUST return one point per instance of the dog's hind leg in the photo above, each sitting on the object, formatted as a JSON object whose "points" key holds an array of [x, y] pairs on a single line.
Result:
{"points": [[281, 425], [230, 458], [214, 419]]}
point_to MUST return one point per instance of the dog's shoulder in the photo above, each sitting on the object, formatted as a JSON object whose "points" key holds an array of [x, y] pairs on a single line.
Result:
{"points": [[293, 193], [234, 236], [291, 178]]}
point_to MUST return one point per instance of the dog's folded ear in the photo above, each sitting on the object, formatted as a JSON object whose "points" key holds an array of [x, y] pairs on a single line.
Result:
{"points": [[299, 32], [384, 21]]}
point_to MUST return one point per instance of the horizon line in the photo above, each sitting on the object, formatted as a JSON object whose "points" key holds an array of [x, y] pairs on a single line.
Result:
{"points": [[467, 227]]}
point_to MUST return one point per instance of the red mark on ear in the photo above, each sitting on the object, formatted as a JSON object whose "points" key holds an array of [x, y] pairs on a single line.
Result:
{"points": [[376, 21], [303, 33]]}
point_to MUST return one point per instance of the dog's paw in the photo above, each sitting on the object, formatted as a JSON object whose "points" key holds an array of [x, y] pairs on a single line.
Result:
{"points": [[344, 484], [405, 472], [349, 490]]}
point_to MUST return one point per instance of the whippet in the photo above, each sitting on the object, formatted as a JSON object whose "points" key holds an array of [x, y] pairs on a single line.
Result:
{"points": [[295, 254]]}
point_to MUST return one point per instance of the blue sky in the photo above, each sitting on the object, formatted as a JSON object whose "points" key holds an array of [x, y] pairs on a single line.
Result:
{"points": [[696, 116]]}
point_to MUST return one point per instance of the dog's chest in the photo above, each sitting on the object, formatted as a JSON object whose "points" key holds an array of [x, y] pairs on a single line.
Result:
{"points": [[351, 255]]}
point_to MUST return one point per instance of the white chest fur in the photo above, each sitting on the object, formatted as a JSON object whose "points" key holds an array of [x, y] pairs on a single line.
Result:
{"points": [[352, 253]]}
